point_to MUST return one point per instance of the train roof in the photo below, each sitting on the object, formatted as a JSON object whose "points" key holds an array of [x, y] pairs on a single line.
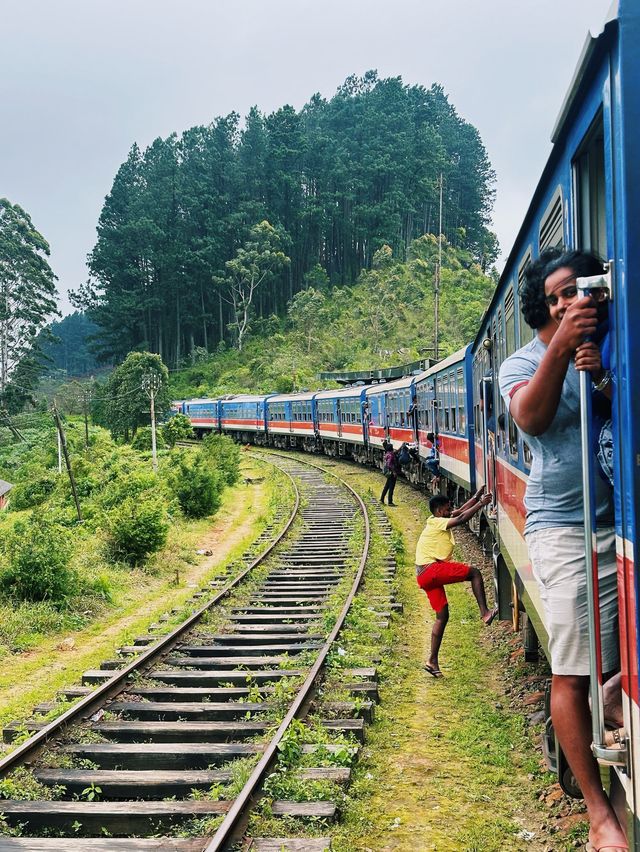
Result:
{"points": [[398, 384], [455, 358], [284, 397], [201, 399], [590, 56], [246, 397], [354, 390]]}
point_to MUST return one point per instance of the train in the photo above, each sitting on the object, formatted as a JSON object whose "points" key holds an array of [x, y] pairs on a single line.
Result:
{"points": [[453, 410]]}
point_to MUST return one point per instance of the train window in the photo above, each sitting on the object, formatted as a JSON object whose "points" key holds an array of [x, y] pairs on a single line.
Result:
{"points": [[462, 415], [528, 456], [510, 322], [513, 438], [526, 333], [551, 233], [589, 183]]}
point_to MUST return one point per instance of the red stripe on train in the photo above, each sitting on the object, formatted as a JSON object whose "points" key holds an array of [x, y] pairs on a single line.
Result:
{"points": [[628, 622]]}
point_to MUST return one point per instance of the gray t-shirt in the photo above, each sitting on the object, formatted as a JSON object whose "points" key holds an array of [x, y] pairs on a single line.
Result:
{"points": [[554, 496]]}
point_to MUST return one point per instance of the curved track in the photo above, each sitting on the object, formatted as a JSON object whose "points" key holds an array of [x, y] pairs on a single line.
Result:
{"points": [[125, 761]]}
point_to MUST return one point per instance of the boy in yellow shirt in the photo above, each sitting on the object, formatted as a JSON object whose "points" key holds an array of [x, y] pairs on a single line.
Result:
{"points": [[435, 570]]}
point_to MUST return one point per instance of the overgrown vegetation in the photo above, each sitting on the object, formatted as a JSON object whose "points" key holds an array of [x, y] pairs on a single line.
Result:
{"points": [[334, 182], [386, 318], [53, 569]]}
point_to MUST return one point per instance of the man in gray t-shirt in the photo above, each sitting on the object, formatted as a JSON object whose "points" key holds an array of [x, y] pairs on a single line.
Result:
{"points": [[540, 386], [554, 490]]}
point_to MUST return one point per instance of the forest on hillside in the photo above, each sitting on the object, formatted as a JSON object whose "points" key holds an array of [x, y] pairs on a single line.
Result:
{"points": [[207, 235], [386, 318]]}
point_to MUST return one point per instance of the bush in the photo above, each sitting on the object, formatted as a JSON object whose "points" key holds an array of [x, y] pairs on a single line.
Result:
{"points": [[38, 554], [138, 527], [177, 429], [223, 455], [196, 485], [142, 440], [125, 484], [33, 489]]}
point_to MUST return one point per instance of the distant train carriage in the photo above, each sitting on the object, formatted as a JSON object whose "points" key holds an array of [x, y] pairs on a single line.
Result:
{"points": [[291, 420], [391, 409], [341, 421], [244, 416], [203, 413], [444, 411]]}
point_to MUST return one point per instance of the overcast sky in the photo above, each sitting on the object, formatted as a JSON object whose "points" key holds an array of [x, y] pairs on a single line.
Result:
{"points": [[81, 80]]}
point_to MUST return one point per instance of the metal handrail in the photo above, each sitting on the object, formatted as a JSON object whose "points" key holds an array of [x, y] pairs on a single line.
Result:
{"points": [[610, 756]]}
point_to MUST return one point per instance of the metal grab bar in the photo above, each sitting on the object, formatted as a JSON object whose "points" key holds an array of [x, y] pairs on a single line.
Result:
{"points": [[604, 754]]}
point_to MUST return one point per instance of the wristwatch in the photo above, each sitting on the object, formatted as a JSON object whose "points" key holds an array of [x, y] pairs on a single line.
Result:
{"points": [[604, 381]]}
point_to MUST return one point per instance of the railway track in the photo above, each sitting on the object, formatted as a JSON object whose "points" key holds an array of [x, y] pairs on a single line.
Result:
{"points": [[135, 762]]}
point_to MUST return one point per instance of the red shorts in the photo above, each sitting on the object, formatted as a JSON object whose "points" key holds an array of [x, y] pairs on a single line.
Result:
{"points": [[434, 576]]}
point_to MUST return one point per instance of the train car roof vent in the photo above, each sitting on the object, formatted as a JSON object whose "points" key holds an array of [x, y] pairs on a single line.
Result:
{"points": [[551, 230]]}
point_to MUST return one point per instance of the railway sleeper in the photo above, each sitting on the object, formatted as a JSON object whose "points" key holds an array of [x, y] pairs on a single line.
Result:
{"points": [[155, 784], [121, 818], [113, 844]]}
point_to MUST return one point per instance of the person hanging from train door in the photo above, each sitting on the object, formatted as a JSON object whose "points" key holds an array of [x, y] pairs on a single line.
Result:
{"points": [[540, 386]]}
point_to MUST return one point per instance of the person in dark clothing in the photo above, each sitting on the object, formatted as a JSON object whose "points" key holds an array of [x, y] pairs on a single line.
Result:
{"points": [[391, 470]]}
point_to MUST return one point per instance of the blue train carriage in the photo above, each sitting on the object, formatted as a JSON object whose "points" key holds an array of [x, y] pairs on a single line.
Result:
{"points": [[341, 422], [204, 415], [244, 417], [291, 420], [391, 412], [444, 413], [586, 198]]}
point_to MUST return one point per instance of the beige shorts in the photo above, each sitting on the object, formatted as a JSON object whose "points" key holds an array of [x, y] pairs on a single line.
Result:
{"points": [[559, 566]]}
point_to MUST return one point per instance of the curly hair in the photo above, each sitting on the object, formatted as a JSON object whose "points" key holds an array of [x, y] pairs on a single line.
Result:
{"points": [[532, 304]]}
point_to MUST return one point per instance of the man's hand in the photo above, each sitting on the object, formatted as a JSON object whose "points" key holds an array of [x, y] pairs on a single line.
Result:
{"points": [[578, 322], [488, 497], [479, 493], [588, 358]]}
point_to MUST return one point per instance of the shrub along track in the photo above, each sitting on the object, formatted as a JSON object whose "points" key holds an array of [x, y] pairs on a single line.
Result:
{"points": [[134, 757]]}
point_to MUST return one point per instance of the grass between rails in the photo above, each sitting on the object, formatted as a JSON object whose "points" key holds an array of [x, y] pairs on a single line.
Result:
{"points": [[445, 767], [59, 659]]}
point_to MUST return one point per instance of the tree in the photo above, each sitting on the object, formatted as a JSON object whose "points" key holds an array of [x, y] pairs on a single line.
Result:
{"points": [[121, 404], [306, 313], [27, 294], [259, 260]]}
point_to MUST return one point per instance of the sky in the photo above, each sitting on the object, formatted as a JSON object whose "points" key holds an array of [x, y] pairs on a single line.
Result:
{"points": [[82, 80]]}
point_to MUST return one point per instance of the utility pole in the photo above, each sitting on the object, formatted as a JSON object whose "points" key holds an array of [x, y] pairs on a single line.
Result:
{"points": [[437, 287], [85, 397], [63, 443], [151, 383]]}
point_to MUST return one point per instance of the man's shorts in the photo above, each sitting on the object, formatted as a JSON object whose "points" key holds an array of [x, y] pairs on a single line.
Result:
{"points": [[434, 576], [559, 566]]}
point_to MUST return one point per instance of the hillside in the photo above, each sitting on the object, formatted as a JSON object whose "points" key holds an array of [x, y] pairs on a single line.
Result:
{"points": [[385, 318], [194, 221]]}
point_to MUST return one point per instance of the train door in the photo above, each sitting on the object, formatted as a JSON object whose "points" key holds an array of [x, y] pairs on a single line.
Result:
{"points": [[598, 227]]}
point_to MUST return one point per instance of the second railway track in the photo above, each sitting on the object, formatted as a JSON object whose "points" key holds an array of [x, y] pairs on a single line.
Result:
{"points": [[132, 763]]}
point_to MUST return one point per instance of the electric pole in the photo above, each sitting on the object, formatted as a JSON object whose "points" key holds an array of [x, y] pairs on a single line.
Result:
{"points": [[63, 443], [151, 383]]}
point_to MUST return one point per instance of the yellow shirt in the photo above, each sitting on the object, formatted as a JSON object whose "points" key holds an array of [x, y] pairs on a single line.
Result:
{"points": [[435, 542]]}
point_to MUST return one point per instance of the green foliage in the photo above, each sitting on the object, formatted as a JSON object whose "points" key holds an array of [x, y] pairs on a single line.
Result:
{"points": [[223, 454], [341, 178], [37, 569], [138, 527], [178, 428], [121, 404], [27, 295], [36, 485], [195, 483], [386, 318], [142, 440]]}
